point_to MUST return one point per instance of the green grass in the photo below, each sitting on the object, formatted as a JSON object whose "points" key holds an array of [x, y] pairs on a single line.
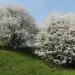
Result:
{"points": [[16, 63]]}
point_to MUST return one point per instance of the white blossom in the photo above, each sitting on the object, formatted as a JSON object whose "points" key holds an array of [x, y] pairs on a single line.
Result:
{"points": [[57, 38], [16, 26]]}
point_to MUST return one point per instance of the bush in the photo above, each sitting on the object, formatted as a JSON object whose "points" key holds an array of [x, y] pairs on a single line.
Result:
{"points": [[17, 27], [56, 39]]}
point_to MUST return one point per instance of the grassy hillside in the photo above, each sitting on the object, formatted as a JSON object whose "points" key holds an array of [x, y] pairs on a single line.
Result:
{"points": [[16, 63]]}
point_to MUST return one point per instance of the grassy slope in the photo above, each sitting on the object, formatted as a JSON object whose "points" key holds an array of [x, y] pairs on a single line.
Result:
{"points": [[13, 63]]}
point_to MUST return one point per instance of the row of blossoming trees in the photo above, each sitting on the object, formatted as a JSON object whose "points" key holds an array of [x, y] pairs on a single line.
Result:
{"points": [[53, 40]]}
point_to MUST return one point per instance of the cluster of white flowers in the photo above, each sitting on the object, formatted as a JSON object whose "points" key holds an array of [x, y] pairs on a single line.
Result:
{"points": [[56, 39], [16, 26]]}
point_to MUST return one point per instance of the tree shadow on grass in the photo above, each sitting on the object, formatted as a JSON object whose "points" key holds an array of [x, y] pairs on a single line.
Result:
{"points": [[69, 66], [66, 66], [29, 51]]}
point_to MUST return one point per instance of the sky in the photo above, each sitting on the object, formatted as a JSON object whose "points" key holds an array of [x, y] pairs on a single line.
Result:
{"points": [[40, 9]]}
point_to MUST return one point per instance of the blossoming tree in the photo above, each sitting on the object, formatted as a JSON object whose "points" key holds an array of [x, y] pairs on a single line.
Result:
{"points": [[56, 40], [17, 27]]}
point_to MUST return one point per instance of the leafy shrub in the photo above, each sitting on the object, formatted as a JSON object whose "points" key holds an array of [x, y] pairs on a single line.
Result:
{"points": [[56, 39]]}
